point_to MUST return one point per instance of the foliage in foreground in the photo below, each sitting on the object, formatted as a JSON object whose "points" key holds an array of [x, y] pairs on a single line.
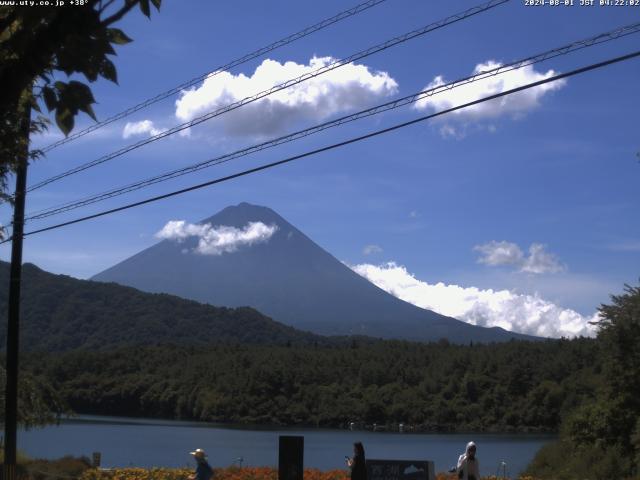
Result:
{"points": [[601, 438], [39, 48], [38, 402], [561, 460], [38, 469], [231, 473]]}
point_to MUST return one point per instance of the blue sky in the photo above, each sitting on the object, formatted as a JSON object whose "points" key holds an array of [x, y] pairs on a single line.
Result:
{"points": [[536, 198]]}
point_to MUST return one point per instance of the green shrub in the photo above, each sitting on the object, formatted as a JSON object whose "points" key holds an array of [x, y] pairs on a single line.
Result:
{"points": [[562, 460]]}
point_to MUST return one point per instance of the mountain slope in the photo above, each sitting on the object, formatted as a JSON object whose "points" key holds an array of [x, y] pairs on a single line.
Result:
{"points": [[62, 313], [289, 278]]}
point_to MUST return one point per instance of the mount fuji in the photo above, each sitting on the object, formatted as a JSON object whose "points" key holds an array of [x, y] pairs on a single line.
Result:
{"points": [[278, 270]]}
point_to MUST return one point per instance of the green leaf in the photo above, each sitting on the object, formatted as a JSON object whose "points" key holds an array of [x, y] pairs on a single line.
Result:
{"points": [[88, 109], [50, 98], [108, 71], [156, 3], [144, 7], [108, 49], [34, 104], [80, 93], [117, 36], [64, 120], [73, 97], [91, 72]]}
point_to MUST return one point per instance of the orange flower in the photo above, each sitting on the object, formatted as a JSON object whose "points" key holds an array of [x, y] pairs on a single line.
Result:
{"points": [[230, 473]]}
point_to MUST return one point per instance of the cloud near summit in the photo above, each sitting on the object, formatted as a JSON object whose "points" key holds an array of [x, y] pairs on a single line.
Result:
{"points": [[348, 87], [216, 240], [527, 314]]}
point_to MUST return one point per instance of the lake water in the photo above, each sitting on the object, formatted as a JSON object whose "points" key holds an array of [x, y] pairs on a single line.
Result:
{"points": [[146, 443]]}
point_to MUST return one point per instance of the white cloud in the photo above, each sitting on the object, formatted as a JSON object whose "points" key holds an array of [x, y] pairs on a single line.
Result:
{"points": [[527, 314], [515, 105], [219, 239], [507, 253], [142, 127], [499, 253], [349, 87], [179, 230], [371, 249], [540, 261]]}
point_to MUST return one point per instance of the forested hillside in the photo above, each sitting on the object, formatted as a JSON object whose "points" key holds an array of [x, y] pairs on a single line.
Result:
{"points": [[63, 313], [516, 386], [601, 438]]}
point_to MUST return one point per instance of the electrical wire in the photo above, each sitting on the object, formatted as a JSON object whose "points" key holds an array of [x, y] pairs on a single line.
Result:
{"points": [[289, 83], [234, 63], [563, 50], [339, 144]]}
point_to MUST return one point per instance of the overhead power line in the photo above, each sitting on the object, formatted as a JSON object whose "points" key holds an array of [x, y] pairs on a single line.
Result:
{"points": [[289, 83], [563, 50], [234, 63], [340, 144]]}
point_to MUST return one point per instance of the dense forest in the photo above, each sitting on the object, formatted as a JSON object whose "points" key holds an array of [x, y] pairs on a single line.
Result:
{"points": [[38, 402], [59, 313], [516, 386]]}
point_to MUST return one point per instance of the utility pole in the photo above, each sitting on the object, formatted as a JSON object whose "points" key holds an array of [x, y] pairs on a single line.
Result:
{"points": [[13, 325]]}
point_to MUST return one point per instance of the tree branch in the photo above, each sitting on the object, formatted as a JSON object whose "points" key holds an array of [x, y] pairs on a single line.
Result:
{"points": [[120, 13], [106, 5]]}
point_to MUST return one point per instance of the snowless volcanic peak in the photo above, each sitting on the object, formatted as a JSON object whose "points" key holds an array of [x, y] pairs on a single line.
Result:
{"points": [[248, 255]]}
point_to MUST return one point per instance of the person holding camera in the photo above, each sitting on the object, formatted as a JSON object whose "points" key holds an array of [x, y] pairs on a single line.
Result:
{"points": [[357, 463]]}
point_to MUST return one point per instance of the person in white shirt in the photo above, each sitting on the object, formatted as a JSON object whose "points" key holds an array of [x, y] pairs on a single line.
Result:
{"points": [[468, 467]]}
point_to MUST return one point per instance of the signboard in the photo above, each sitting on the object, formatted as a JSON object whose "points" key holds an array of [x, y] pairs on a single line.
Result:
{"points": [[291, 458], [400, 470]]}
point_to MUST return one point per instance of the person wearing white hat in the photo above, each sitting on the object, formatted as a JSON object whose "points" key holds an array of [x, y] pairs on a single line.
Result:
{"points": [[468, 467], [203, 469]]}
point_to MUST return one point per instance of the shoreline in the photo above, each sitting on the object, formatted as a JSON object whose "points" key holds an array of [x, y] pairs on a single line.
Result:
{"points": [[408, 430]]}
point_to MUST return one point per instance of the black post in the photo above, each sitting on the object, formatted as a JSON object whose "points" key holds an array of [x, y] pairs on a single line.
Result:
{"points": [[291, 458], [13, 326]]}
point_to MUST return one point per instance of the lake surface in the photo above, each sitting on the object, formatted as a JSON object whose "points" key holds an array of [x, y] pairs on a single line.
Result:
{"points": [[147, 443]]}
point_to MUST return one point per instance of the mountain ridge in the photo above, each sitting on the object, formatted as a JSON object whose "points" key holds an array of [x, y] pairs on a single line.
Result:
{"points": [[60, 313], [292, 280]]}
